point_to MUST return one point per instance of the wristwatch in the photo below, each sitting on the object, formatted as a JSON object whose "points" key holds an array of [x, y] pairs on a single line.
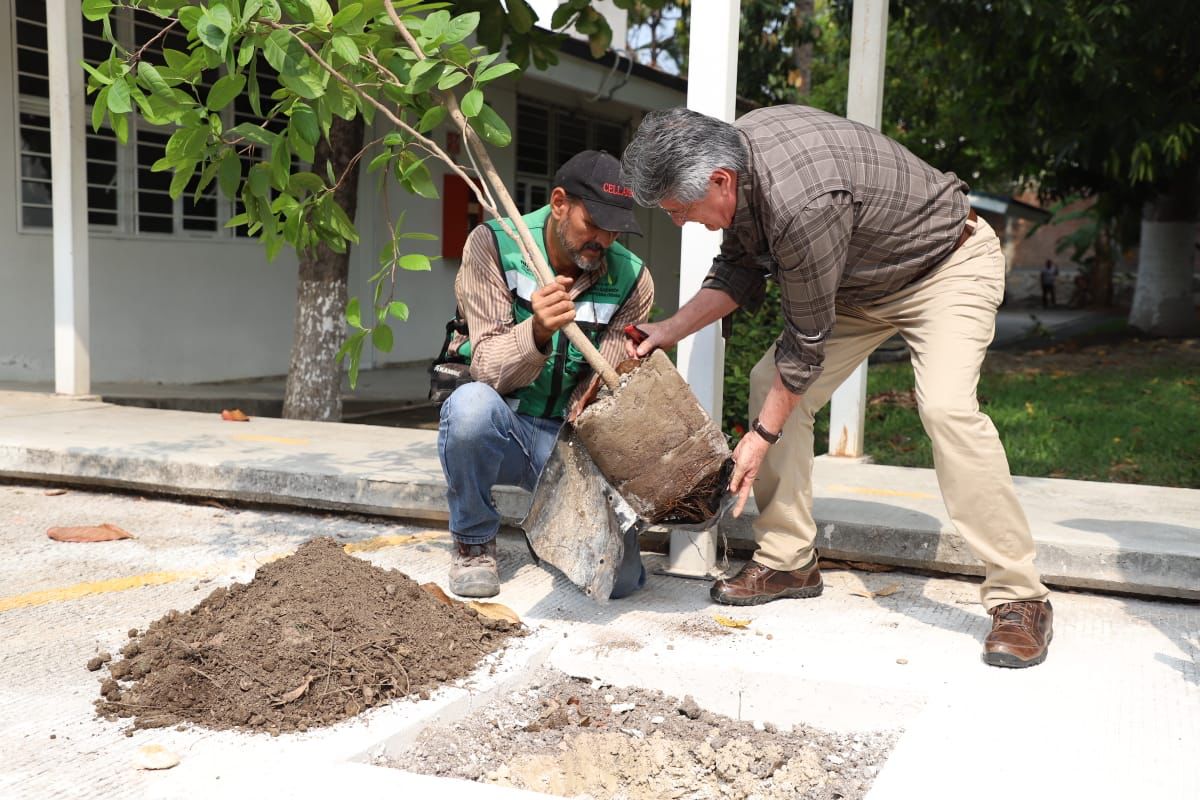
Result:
{"points": [[771, 438]]}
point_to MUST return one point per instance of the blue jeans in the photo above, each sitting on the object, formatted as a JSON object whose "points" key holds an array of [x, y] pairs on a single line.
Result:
{"points": [[483, 443]]}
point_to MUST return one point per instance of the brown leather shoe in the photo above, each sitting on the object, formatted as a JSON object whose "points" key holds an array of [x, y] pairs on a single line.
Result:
{"points": [[1021, 634], [756, 584]]}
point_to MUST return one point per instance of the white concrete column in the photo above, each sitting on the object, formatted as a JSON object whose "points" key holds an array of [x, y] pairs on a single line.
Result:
{"points": [[68, 159], [864, 103], [712, 90]]}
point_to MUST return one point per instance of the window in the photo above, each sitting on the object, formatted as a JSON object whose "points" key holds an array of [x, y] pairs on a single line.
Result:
{"points": [[124, 194], [547, 138], [33, 128]]}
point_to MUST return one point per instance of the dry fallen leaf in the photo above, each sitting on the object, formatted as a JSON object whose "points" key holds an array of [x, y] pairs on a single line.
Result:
{"points": [[891, 588], [154, 756], [54, 492], [867, 593], [495, 611], [439, 594], [234, 415], [295, 694], [729, 622], [89, 533]]}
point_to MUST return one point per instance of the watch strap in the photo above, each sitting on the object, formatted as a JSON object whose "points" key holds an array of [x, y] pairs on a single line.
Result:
{"points": [[771, 438]]}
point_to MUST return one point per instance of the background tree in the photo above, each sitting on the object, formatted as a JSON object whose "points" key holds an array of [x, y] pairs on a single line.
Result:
{"points": [[1070, 98], [338, 65]]}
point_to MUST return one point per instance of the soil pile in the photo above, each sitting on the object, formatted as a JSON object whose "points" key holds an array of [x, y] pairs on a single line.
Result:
{"points": [[313, 639], [577, 739]]}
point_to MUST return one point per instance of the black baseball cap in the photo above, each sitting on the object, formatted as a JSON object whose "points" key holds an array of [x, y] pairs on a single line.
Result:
{"points": [[594, 177]]}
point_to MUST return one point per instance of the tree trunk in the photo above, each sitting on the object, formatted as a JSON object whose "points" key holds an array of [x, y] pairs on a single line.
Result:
{"points": [[1163, 298], [314, 382], [1101, 278]]}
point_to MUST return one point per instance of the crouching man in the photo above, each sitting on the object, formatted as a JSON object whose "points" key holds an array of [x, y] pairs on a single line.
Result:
{"points": [[501, 428]]}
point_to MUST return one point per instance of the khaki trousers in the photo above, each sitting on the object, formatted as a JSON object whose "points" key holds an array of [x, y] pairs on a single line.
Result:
{"points": [[948, 320]]}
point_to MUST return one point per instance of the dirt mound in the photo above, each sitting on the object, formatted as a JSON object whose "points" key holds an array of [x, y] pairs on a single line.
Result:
{"points": [[313, 639]]}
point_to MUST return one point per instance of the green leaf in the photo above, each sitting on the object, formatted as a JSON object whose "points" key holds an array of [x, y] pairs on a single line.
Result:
{"points": [[435, 24], [424, 76], [281, 164], [451, 79], [224, 91], [305, 182], [345, 47], [259, 181], [120, 126], [471, 103], [354, 313], [398, 310], [496, 71], [100, 77], [304, 119], [322, 14], [190, 16], [461, 27], [346, 14], [416, 262], [562, 16], [250, 9], [96, 10], [118, 98], [431, 119], [520, 16], [213, 28], [254, 133], [418, 177], [381, 337], [310, 86], [230, 174], [99, 106], [284, 53], [180, 180], [155, 82], [424, 237], [491, 127]]}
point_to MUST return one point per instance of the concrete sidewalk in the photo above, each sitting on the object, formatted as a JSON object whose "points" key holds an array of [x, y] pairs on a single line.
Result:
{"points": [[1113, 714], [1138, 539]]}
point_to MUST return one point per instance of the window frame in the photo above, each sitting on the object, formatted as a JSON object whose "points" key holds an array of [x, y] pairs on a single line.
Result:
{"points": [[126, 172]]}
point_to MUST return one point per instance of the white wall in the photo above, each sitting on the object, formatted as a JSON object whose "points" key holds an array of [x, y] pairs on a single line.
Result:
{"points": [[173, 309]]}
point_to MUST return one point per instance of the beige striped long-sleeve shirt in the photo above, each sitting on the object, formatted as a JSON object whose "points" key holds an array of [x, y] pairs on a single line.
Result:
{"points": [[503, 353]]}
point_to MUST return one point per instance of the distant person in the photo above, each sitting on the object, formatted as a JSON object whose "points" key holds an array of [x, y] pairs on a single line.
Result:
{"points": [[502, 428], [864, 240], [1049, 279]]}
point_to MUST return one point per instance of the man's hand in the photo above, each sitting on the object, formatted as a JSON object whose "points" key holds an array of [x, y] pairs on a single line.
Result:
{"points": [[747, 458], [658, 335], [552, 309]]}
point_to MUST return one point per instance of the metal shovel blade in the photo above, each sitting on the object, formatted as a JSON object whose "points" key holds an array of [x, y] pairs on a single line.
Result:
{"points": [[577, 520]]}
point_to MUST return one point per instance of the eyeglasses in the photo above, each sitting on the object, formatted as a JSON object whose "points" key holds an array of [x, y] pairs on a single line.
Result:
{"points": [[680, 216]]}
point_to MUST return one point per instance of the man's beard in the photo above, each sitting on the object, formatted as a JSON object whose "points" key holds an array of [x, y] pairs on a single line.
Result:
{"points": [[576, 254]]}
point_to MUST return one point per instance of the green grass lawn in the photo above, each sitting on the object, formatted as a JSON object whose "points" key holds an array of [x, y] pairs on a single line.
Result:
{"points": [[1135, 425], [1126, 412]]}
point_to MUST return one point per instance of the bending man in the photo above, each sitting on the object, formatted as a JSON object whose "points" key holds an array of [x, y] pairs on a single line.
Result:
{"points": [[864, 239]]}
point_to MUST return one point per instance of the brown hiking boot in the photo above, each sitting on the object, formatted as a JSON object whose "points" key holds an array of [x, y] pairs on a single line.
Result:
{"points": [[473, 570], [756, 584], [1021, 634]]}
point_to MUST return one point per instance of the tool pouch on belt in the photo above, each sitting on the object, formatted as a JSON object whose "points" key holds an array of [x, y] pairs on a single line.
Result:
{"points": [[450, 369]]}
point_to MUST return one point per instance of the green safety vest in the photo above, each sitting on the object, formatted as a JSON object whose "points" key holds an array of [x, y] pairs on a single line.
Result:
{"points": [[594, 310]]}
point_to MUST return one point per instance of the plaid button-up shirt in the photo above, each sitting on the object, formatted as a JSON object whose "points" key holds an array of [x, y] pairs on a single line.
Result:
{"points": [[837, 213]]}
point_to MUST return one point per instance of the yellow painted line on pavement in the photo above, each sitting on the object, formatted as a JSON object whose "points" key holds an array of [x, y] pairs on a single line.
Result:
{"points": [[260, 437], [380, 542], [110, 585], [93, 587], [74, 592], [879, 492]]}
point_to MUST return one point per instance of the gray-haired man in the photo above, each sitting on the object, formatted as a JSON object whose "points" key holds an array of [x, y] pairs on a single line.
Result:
{"points": [[865, 240]]}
